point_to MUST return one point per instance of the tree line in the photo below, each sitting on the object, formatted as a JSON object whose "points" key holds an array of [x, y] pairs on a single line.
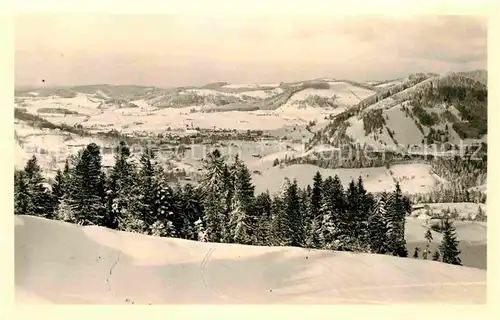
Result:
{"points": [[135, 196]]}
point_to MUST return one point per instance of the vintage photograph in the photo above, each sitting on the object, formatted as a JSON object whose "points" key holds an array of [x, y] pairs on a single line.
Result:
{"points": [[250, 159]]}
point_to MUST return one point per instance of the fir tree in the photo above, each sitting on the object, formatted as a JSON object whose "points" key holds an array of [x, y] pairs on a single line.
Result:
{"points": [[87, 187], [316, 195], [39, 201], [294, 232], [65, 211], [313, 206], [316, 237], [178, 217], [58, 186], [364, 208], [279, 225], [148, 186], [338, 199], [201, 231], [165, 211], [480, 215], [263, 214], [397, 209], [243, 220], [58, 189], [22, 198], [331, 224], [348, 221], [123, 192], [416, 252], [192, 208], [449, 245], [436, 256], [377, 226], [428, 237], [228, 189], [327, 232], [213, 186], [161, 229]]}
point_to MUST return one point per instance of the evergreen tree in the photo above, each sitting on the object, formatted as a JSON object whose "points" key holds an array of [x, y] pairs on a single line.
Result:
{"points": [[428, 237], [331, 224], [39, 201], [347, 225], [22, 198], [243, 220], [228, 190], [263, 214], [416, 252], [201, 231], [123, 191], [192, 207], [338, 200], [480, 215], [87, 187], [164, 208], [364, 207], [58, 186], [294, 232], [377, 226], [397, 210], [58, 189], [148, 186], [449, 246], [313, 206], [65, 211], [162, 229], [316, 236], [178, 217], [327, 232], [316, 195], [436, 256], [213, 188], [279, 224]]}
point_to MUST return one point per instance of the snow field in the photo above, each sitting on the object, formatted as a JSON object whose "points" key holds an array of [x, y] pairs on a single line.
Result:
{"points": [[95, 265], [413, 178]]}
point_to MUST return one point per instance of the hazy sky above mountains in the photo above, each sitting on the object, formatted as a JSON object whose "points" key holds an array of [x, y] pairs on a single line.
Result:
{"points": [[165, 50]]}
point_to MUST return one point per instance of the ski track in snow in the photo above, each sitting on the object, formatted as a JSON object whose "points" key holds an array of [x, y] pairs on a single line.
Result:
{"points": [[318, 279], [206, 280], [111, 272]]}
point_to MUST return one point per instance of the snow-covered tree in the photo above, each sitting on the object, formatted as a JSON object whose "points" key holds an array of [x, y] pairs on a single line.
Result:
{"points": [[397, 207], [449, 246], [87, 187], [37, 199], [428, 237], [378, 226], [213, 188], [22, 199]]}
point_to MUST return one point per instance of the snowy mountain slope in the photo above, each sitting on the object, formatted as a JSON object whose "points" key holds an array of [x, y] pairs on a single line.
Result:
{"points": [[338, 94], [463, 209], [94, 265], [324, 111], [218, 97], [436, 109], [413, 178], [478, 75]]}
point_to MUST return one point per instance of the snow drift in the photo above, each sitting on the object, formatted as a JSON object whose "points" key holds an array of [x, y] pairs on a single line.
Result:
{"points": [[57, 262]]}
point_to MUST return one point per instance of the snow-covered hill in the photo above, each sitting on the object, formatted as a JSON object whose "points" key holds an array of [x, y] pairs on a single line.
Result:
{"points": [[413, 178], [60, 263], [416, 111], [395, 114]]}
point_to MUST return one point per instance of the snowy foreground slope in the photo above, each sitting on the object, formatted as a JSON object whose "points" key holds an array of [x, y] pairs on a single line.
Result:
{"points": [[56, 262]]}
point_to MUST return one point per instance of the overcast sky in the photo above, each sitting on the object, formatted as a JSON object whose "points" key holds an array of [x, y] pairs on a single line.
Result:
{"points": [[165, 50]]}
